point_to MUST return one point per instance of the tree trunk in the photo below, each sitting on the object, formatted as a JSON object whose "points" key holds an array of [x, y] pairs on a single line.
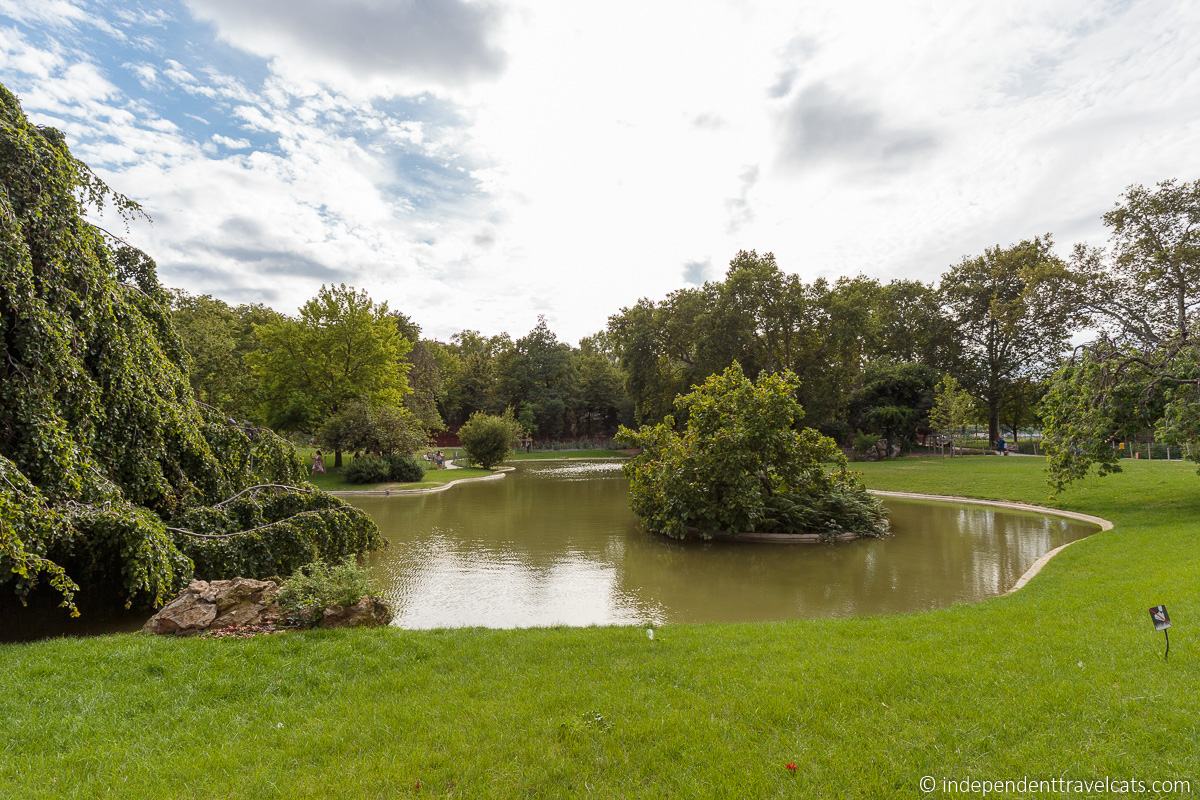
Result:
{"points": [[993, 423], [337, 458]]}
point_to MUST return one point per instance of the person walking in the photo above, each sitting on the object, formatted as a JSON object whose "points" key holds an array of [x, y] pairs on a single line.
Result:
{"points": [[1002, 446], [318, 465]]}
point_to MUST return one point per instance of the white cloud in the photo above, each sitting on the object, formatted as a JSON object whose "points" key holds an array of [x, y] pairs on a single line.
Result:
{"points": [[146, 74], [56, 13], [228, 142], [567, 159], [364, 46]]}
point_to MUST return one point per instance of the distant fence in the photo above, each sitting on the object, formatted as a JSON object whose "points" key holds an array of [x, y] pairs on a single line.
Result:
{"points": [[1030, 442]]}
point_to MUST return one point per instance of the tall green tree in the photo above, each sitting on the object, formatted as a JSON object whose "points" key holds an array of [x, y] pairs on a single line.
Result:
{"points": [[539, 372], [473, 375], [218, 338], [1014, 311], [953, 408], [600, 400], [429, 367], [343, 346], [112, 477], [1142, 373], [893, 401]]}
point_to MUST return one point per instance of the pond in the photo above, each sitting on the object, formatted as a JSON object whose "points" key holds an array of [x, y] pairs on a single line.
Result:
{"points": [[555, 543]]}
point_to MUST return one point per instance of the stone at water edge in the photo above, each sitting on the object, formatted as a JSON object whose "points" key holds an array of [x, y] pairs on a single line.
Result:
{"points": [[212, 605], [183, 615], [366, 612]]}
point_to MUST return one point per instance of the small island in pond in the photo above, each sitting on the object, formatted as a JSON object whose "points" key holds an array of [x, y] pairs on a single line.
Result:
{"points": [[742, 467]]}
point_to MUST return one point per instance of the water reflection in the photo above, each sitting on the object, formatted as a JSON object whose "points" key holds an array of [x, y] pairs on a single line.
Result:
{"points": [[556, 544]]}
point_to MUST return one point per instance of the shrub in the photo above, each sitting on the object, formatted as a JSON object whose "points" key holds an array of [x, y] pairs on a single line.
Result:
{"points": [[865, 444], [320, 585], [287, 530], [367, 469], [405, 469], [383, 429], [488, 439], [742, 463]]}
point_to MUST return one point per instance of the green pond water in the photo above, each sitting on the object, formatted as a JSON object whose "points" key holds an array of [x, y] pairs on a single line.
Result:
{"points": [[556, 544]]}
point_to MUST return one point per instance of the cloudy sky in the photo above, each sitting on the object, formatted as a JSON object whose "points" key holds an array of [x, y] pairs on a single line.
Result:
{"points": [[478, 163]]}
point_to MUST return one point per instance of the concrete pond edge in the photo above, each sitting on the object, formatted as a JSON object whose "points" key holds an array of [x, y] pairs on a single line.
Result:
{"points": [[497, 475], [1044, 559]]}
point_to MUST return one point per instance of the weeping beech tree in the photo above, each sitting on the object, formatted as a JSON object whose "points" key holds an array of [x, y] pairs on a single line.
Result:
{"points": [[112, 477]]}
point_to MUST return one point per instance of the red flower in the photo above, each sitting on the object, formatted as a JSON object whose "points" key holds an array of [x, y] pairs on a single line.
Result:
{"points": [[791, 767]]}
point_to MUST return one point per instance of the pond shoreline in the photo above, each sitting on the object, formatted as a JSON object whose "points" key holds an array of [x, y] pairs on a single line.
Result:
{"points": [[808, 538], [1044, 558], [757, 537], [500, 472], [813, 538], [1101, 522]]}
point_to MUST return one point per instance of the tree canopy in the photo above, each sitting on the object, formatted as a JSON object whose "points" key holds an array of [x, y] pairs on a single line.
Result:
{"points": [[1014, 312], [766, 319], [112, 476], [342, 346], [1142, 373]]}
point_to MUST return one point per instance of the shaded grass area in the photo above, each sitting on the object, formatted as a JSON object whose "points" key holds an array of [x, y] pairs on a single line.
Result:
{"points": [[333, 481], [1063, 679]]}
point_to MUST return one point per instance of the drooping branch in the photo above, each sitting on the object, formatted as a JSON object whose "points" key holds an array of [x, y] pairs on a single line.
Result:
{"points": [[264, 526], [262, 486]]}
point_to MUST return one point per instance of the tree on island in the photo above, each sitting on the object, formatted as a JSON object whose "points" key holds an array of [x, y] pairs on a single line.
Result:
{"points": [[342, 347], [741, 463], [112, 477], [383, 431], [1143, 371]]}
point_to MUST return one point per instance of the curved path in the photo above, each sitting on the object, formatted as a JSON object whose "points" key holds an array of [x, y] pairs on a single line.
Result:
{"points": [[1101, 522], [499, 473]]}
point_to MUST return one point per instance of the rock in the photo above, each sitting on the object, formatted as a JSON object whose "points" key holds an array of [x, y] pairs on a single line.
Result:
{"points": [[212, 605], [237, 591], [188, 613], [366, 612], [245, 606], [247, 613]]}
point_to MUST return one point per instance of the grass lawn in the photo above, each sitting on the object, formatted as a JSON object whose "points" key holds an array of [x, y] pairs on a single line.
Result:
{"points": [[545, 455], [1064, 679], [332, 480]]}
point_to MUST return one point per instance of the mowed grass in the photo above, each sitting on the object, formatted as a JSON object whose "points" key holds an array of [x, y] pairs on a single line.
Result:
{"points": [[551, 455], [1063, 679], [333, 481]]}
